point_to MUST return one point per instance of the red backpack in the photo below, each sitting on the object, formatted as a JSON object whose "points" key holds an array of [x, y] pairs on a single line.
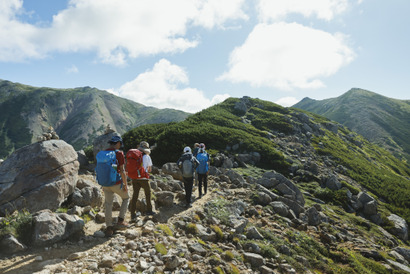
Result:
{"points": [[134, 165]]}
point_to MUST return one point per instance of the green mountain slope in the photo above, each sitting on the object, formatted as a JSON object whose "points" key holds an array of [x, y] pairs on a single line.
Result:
{"points": [[287, 140], [382, 120], [78, 115]]}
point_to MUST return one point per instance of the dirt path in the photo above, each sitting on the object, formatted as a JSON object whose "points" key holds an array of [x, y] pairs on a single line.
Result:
{"points": [[35, 259]]}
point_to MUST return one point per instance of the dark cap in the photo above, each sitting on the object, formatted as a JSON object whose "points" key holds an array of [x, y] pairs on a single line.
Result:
{"points": [[115, 139]]}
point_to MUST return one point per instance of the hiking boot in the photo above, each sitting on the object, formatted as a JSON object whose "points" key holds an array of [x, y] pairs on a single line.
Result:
{"points": [[109, 231], [121, 224], [150, 213], [188, 205]]}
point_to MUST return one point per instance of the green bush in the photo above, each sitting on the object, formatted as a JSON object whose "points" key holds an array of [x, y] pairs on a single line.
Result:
{"points": [[217, 127], [19, 225]]}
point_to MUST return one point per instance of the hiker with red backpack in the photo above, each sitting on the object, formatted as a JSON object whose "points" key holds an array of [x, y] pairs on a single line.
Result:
{"points": [[187, 163], [139, 165], [112, 177], [202, 169]]}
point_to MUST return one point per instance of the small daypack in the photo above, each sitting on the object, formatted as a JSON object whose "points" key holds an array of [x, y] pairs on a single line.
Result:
{"points": [[187, 168], [203, 163], [106, 169], [134, 166]]}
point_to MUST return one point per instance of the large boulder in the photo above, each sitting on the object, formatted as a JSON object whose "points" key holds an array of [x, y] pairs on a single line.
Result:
{"points": [[171, 168], [400, 228], [49, 227], [38, 176]]}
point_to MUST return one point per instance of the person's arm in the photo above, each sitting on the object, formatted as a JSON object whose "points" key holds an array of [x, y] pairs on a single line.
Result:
{"points": [[123, 177]]}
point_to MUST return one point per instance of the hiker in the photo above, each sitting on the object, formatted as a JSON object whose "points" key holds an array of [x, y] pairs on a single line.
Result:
{"points": [[139, 165], [202, 169], [195, 152], [187, 163], [196, 149], [119, 187]]}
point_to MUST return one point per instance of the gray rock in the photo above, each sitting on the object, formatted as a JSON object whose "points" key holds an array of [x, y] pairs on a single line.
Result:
{"points": [[206, 234], [107, 261], [239, 224], [197, 248], [263, 199], [280, 208], [370, 208], [399, 266], [255, 260], [253, 233], [164, 198], [364, 198], [399, 258], [285, 190], [405, 252], [88, 196], [10, 245], [400, 228], [333, 183], [171, 168], [293, 205], [82, 159], [47, 169], [228, 164], [313, 216], [50, 228], [172, 262]]}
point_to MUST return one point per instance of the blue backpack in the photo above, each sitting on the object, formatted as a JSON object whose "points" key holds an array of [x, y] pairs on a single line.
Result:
{"points": [[203, 159], [107, 174]]}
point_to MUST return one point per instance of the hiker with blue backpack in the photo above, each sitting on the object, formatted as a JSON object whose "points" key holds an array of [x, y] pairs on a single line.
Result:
{"points": [[188, 163], [112, 177], [202, 169]]}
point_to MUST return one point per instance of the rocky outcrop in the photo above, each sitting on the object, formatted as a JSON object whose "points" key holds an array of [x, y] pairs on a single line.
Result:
{"points": [[400, 228], [49, 227], [38, 176]]}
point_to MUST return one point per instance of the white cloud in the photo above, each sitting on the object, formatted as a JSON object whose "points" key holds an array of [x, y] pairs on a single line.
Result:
{"points": [[116, 30], [287, 101], [213, 13], [287, 56], [72, 70], [269, 10], [161, 88]]}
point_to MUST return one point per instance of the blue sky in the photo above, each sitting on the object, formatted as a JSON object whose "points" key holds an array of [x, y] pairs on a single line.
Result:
{"points": [[190, 54]]}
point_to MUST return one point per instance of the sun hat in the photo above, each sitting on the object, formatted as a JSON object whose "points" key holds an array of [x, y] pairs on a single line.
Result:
{"points": [[187, 150], [144, 147]]}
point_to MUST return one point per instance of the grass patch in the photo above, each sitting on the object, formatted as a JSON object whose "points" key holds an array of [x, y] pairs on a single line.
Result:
{"points": [[165, 228], [160, 248], [19, 225]]}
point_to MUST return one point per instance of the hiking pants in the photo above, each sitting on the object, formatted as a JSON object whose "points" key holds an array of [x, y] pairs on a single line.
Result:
{"points": [[137, 184], [188, 183], [109, 192], [202, 178]]}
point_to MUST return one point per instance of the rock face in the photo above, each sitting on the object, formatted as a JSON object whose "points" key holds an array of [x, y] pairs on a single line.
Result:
{"points": [[38, 176], [400, 229]]}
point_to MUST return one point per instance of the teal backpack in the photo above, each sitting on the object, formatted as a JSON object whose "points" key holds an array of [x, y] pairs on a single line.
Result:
{"points": [[203, 159], [106, 170]]}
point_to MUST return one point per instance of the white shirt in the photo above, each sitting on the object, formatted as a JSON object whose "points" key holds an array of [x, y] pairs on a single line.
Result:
{"points": [[146, 162]]}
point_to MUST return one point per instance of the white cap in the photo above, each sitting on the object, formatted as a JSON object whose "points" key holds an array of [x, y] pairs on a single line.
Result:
{"points": [[187, 149]]}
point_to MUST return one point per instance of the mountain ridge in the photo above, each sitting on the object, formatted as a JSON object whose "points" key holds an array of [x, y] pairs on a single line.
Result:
{"points": [[383, 120], [78, 115]]}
